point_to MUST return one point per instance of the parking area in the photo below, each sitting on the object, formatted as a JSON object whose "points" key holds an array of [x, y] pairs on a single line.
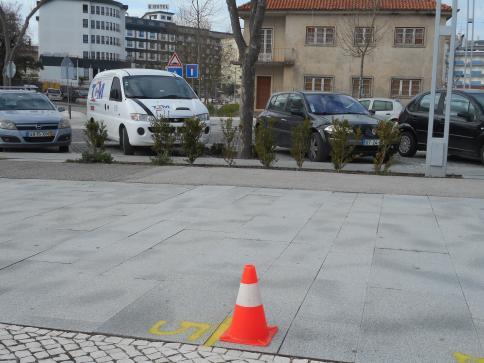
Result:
{"points": [[348, 277]]}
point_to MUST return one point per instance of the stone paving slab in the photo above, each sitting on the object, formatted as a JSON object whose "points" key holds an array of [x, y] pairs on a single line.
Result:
{"points": [[21, 344]]}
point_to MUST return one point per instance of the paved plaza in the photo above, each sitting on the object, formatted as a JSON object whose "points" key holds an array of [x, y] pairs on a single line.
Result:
{"points": [[348, 277]]}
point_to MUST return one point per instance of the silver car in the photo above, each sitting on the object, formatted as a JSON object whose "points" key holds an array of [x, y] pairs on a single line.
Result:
{"points": [[30, 119]]}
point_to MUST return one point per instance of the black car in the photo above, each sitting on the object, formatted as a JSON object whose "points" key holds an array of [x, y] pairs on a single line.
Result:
{"points": [[466, 129], [288, 109]]}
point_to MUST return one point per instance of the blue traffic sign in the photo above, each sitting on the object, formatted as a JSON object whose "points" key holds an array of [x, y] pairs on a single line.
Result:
{"points": [[176, 69], [191, 70]]}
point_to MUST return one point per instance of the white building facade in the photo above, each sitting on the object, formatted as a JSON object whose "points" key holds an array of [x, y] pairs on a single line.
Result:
{"points": [[90, 33], [469, 68]]}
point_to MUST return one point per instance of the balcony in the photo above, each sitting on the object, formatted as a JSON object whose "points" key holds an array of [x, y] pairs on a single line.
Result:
{"points": [[279, 56]]}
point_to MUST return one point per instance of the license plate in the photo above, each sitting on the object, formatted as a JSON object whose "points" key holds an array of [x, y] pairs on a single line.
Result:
{"points": [[371, 142], [40, 133]]}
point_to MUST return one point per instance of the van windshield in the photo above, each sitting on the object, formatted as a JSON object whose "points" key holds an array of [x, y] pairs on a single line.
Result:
{"points": [[156, 87]]}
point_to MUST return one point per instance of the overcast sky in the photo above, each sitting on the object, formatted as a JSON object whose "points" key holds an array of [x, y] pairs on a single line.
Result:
{"points": [[221, 20]]}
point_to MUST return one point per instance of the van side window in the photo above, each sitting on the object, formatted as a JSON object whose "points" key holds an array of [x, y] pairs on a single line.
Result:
{"points": [[115, 93]]}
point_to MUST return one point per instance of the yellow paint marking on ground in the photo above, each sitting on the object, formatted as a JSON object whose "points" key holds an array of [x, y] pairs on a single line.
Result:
{"points": [[464, 358], [218, 333], [200, 329]]}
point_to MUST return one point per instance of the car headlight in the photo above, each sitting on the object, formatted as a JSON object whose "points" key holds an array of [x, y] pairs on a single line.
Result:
{"points": [[329, 129], [203, 117], [7, 125], [64, 123], [142, 117]]}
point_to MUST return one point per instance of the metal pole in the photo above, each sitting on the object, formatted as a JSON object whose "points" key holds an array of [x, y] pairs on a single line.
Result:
{"points": [[472, 41], [433, 88], [466, 46]]}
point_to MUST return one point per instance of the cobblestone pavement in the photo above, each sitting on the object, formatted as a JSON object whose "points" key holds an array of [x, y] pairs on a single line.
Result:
{"points": [[28, 344]]}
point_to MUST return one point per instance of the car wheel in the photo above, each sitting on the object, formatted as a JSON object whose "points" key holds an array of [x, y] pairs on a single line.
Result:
{"points": [[408, 144], [64, 149], [124, 141], [318, 150]]}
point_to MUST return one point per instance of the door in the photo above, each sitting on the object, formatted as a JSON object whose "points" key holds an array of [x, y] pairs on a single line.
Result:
{"points": [[418, 117], [113, 109], [263, 91], [296, 113], [465, 125], [265, 54], [277, 115]]}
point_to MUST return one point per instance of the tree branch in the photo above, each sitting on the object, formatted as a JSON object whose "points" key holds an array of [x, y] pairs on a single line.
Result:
{"points": [[234, 20]]}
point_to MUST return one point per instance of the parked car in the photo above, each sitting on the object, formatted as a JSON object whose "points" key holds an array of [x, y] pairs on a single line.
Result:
{"points": [[128, 100], [30, 119], [54, 94], [288, 109], [384, 108], [466, 129]]}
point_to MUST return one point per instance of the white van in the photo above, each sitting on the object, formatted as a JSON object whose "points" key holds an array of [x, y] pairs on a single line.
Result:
{"points": [[128, 100]]}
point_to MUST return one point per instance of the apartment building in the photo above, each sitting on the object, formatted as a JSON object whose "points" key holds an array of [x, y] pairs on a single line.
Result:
{"points": [[90, 32], [303, 49], [469, 68]]}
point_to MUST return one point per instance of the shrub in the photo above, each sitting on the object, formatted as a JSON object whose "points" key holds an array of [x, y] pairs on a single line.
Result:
{"points": [[163, 140], [212, 110], [301, 135], [96, 136], [265, 146], [191, 133], [230, 134], [228, 110], [343, 140], [389, 135]]}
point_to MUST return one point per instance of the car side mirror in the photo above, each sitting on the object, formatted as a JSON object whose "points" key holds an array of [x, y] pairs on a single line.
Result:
{"points": [[466, 115], [372, 112], [61, 109]]}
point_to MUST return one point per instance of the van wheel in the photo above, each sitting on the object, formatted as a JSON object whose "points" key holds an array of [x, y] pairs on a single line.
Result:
{"points": [[318, 149], [408, 144], [124, 142]]}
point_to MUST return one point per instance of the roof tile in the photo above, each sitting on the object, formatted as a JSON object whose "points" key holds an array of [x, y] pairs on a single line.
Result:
{"points": [[335, 5]]}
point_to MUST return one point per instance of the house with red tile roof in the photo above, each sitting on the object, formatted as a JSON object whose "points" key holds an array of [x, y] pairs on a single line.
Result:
{"points": [[304, 47]]}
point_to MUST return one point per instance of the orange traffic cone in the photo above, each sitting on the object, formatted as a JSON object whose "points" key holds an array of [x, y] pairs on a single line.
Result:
{"points": [[249, 324]]}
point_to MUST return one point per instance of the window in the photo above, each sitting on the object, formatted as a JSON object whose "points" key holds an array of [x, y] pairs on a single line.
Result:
{"points": [[93, 24], [86, 73], [318, 83], [319, 35], [85, 8], [295, 105], [85, 55], [266, 44], [409, 37], [97, 10], [129, 44], [405, 87], [141, 55], [102, 10], [102, 39], [460, 105], [97, 55], [424, 104], [141, 45], [382, 105], [102, 25], [93, 39], [278, 103], [141, 34], [365, 104], [129, 33], [98, 24], [363, 35], [85, 38], [152, 45], [367, 87], [110, 11], [98, 39], [152, 56], [152, 35], [117, 28], [93, 9], [85, 23], [168, 18]]}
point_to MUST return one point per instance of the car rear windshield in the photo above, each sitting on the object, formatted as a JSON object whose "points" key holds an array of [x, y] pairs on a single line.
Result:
{"points": [[156, 87], [53, 90], [332, 104], [24, 101]]}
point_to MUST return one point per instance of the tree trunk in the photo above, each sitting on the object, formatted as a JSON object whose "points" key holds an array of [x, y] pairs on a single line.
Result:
{"points": [[247, 97], [361, 88]]}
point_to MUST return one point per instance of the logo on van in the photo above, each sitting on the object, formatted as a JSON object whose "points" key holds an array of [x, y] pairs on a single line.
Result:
{"points": [[161, 110], [98, 89]]}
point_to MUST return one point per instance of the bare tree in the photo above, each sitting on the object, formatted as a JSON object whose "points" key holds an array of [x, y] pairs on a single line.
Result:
{"points": [[11, 44], [359, 35], [248, 55], [198, 14]]}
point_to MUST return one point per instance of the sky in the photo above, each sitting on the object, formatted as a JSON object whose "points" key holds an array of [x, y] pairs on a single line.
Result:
{"points": [[221, 20]]}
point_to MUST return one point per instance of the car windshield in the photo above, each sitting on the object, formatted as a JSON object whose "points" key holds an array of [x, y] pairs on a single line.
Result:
{"points": [[479, 98], [333, 104], [24, 101], [54, 90], [156, 87]]}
